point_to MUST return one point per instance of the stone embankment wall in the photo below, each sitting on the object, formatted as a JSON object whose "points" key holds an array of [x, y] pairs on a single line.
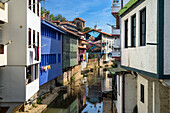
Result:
{"points": [[92, 63]]}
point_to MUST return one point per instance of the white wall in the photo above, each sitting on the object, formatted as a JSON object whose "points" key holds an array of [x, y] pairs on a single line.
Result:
{"points": [[110, 41], [151, 95], [166, 37], [3, 57], [34, 25], [13, 83], [141, 57], [15, 30], [31, 89], [130, 93], [13, 76]]}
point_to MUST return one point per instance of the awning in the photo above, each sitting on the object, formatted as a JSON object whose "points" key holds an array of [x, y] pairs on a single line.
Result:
{"points": [[116, 70]]}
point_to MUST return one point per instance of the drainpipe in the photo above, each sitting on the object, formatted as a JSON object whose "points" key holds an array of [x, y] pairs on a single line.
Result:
{"points": [[123, 96]]}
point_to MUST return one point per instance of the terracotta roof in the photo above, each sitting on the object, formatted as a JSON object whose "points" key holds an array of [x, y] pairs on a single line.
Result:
{"points": [[69, 31], [66, 22], [98, 31], [79, 19]]}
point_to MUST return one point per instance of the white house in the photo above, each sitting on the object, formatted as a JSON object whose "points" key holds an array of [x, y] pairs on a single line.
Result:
{"points": [[19, 79], [145, 56]]}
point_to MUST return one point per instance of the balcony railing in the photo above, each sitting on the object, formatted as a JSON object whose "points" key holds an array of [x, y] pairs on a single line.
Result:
{"points": [[115, 6], [3, 55], [115, 54], [116, 31]]}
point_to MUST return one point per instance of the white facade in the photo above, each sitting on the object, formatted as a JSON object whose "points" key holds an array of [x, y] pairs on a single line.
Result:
{"points": [[116, 6], [141, 57], [152, 93], [108, 48], [14, 77], [128, 91]]}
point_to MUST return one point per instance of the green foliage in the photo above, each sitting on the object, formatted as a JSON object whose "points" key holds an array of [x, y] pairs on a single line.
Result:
{"points": [[86, 29], [52, 17], [39, 100], [114, 65], [34, 105], [60, 18]]}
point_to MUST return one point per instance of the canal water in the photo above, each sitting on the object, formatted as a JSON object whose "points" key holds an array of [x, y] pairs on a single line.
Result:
{"points": [[84, 96]]}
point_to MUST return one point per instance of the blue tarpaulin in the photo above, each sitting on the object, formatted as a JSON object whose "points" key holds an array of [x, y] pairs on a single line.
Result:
{"points": [[94, 33]]}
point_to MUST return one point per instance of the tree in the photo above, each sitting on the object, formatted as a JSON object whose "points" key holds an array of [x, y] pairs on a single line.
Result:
{"points": [[52, 17], [60, 18], [86, 29]]}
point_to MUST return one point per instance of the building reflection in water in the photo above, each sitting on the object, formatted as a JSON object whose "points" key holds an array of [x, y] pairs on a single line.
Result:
{"points": [[83, 98]]}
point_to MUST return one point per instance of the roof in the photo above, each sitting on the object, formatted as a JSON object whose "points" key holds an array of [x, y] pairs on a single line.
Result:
{"points": [[67, 22], [50, 24], [127, 6], [116, 70], [79, 19], [69, 31], [98, 31]]}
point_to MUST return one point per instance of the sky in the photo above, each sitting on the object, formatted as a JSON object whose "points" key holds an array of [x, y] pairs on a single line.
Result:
{"points": [[92, 11]]}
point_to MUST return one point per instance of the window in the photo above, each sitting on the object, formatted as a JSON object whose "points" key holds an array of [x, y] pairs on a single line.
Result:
{"points": [[34, 6], [34, 38], [29, 75], [1, 48], [29, 41], [47, 32], [59, 36], [142, 93], [35, 71], [38, 8], [126, 34], [29, 4], [59, 58], [38, 42], [133, 35], [47, 59], [143, 27]]}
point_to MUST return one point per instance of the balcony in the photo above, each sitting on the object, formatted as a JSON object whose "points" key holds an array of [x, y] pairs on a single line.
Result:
{"points": [[3, 55], [115, 7], [3, 13], [116, 32], [116, 54]]}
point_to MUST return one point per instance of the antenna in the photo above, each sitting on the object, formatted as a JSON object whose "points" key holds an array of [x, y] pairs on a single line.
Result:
{"points": [[112, 26]]}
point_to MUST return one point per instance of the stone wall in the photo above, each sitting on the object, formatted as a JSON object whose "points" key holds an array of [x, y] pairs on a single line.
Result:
{"points": [[92, 63], [76, 71]]}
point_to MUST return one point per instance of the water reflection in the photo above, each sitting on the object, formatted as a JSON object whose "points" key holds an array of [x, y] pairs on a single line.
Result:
{"points": [[83, 96]]}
